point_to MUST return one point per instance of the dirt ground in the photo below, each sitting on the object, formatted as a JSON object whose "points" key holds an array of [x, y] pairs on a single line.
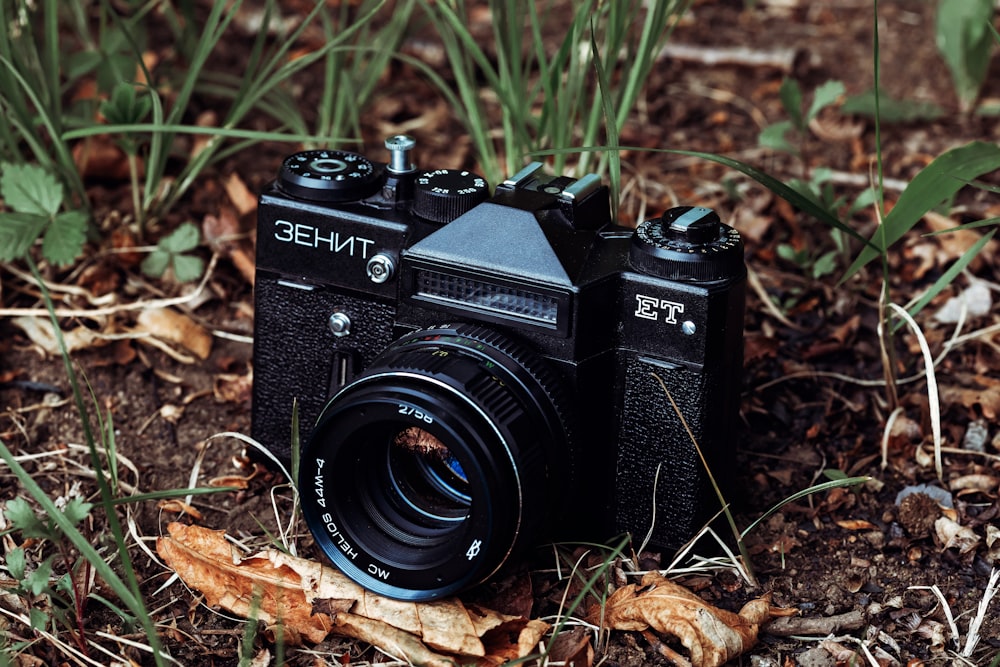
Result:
{"points": [[811, 402]]}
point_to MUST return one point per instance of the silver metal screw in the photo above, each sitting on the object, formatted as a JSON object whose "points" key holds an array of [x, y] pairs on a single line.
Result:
{"points": [[399, 147], [380, 268], [340, 324], [688, 328]]}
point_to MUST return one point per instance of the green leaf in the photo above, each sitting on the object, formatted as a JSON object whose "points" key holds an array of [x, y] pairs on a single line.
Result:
{"points": [[82, 63], [125, 106], [16, 563], [77, 510], [65, 237], [38, 619], [187, 267], [790, 254], [965, 40], [825, 264], [38, 580], [28, 188], [775, 137], [823, 97], [156, 263], [935, 183], [182, 239], [19, 513], [816, 488], [17, 232], [791, 99], [891, 110]]}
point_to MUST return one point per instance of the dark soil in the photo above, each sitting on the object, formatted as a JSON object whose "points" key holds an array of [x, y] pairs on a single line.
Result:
{"points": [[835, 552]]}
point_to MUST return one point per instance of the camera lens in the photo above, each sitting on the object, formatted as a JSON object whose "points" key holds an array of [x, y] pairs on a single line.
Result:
{"points": [[438, 463]]}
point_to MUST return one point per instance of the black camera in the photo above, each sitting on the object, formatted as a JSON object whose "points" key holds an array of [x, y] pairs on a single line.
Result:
{"points": [[478, 374]]}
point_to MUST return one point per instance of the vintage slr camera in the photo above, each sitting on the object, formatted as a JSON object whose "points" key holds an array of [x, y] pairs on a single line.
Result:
{"points": [[476, 375]]}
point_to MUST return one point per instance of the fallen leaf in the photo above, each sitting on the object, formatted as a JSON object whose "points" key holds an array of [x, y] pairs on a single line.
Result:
{"points": [[572, 647], [179, 507], [975, 482], [240, 195], [233, 387], [223, 235], [231, 481], [954, 244], [100, 156], [205, 560], [312, 599], [207, 118], [856, 524], [177, 328], [712, 636], [954, 535], [39, 330], [987, 400]]}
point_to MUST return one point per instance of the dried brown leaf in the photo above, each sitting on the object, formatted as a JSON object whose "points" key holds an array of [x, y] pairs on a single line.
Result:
{"points": [[954, 535], [233, 387], [392, 640], [712, 636], [205, 560], [311, 599], [177, 328], [179, 507], [223, 234], [856, 524], [572, 647], [240, 195], [975, 482], [986, 400], [41, 333]]}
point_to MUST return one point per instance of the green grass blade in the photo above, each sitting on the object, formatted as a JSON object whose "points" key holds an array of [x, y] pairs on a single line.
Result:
{"points": [[611, 127], [969, 225], [170, 494], [825, 486], [227, 132], [795, 198], [64, 159], [937, 182], [948, 276]]}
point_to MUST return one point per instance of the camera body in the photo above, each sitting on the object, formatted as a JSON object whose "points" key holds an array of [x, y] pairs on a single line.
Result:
{"points": [[541, 371]]}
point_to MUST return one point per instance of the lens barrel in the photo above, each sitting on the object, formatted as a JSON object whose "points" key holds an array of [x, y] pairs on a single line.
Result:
{"points": [[428, 471]]}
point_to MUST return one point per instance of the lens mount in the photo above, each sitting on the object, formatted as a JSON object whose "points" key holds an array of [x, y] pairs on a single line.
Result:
{"points": [[427, 472]]}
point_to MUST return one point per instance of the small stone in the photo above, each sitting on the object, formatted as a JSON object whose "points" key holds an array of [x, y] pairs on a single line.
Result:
{"points": [[815, 657], [975, 436]]}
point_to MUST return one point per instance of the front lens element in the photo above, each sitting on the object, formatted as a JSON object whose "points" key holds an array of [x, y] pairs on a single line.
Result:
{"points": [[427, 477]]}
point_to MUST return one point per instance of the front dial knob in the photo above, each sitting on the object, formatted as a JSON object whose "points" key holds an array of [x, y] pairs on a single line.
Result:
{"points": [[444, 194], [329, 176], [687, 243]]}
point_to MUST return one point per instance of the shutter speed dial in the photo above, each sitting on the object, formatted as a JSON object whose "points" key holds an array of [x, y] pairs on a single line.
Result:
{"points": [[329, 176], [687, 243], [444, 194]]}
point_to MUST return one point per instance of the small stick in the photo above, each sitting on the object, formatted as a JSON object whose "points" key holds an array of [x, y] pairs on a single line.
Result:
{"points": [[664, 650], [783, 59], [817, 625]]}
